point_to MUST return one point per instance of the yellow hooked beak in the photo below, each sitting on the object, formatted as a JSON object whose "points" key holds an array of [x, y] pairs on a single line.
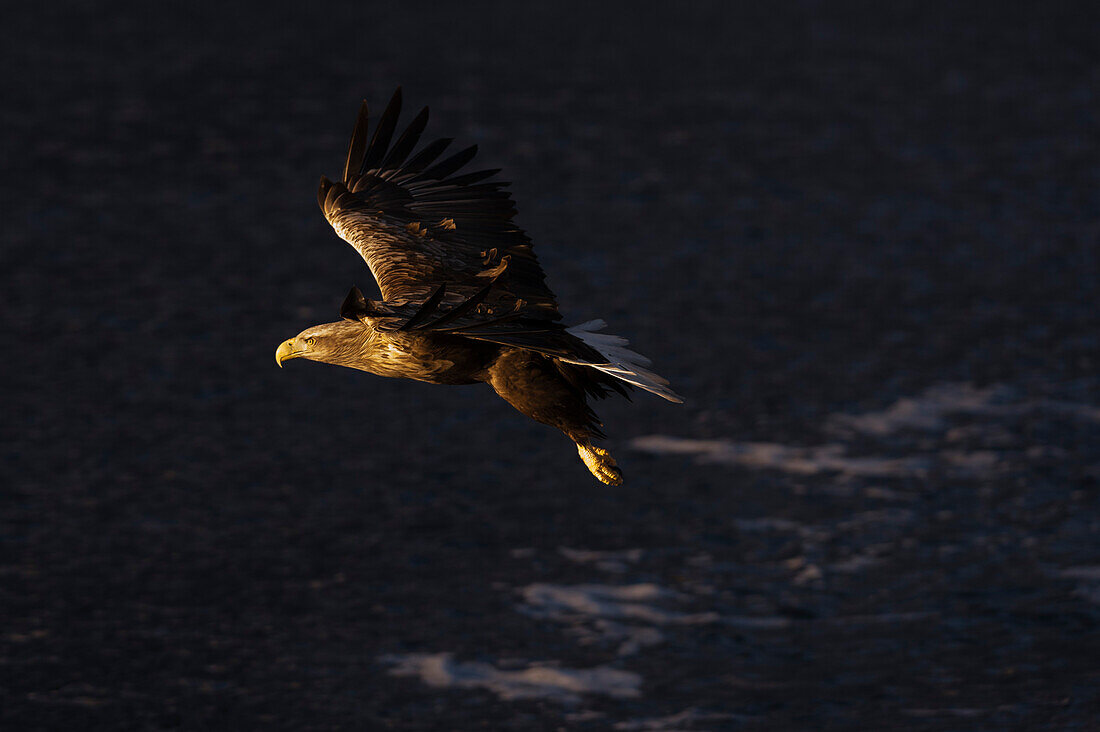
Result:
{"points": [[286, 351]]}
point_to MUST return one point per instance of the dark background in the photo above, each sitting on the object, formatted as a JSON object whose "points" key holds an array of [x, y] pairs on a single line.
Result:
{"points": [[798, 212]]}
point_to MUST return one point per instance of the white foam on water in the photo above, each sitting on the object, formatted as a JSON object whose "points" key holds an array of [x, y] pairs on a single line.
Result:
{"points": [[925, 412], [929, 411], [627, 615], [772, 456], [1082, 573], [977, 464], [538, 681], [685, 720], [631, 638], [625, 602], [608, 561]]}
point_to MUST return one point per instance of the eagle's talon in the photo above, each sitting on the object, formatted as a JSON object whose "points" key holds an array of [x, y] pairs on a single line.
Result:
{"points": [[600, 463]]}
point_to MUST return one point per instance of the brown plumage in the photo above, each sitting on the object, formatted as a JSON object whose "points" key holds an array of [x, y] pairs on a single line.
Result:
{"points": [[464, 299]]}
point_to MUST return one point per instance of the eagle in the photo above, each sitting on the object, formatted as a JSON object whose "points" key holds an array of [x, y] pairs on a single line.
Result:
{"points": [[464, 300]]}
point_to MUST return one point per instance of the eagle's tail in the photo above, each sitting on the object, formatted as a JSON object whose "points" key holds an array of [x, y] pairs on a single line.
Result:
{"points": [[622, 363]]}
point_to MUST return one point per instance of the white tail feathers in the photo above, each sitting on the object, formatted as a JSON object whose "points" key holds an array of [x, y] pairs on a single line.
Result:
{"points": [[622, 363]]}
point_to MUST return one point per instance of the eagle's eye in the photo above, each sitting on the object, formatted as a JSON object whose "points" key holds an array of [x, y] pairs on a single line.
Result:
{"points": [[310, 341]]}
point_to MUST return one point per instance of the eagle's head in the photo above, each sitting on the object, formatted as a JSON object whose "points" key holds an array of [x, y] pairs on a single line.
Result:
{"points": [[337, 343]]}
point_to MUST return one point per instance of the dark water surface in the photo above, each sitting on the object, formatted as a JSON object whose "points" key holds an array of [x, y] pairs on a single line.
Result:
{"points": [[864, 246]]}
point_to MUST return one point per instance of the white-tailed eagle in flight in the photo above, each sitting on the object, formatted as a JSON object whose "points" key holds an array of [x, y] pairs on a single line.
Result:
{"points": [[464, 299]]}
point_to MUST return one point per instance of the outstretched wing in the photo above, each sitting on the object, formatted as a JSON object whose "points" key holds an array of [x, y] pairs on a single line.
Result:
{"points": [[470, 318], [419, 226]]}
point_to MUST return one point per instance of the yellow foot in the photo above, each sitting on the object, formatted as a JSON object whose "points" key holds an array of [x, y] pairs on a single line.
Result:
{"points": [[600, 464]]}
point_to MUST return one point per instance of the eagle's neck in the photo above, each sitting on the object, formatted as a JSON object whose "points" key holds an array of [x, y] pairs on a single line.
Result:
{"points": [[345, 344], [385, 353]]}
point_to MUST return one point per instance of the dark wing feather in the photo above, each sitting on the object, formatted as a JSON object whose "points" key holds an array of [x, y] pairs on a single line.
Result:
{"points": [[418, 225], [383, 133], [426, 156], [441, 170], [406, 142], [426, 309], [464, 309], [471, 178], [358, 144], [474, 319]]}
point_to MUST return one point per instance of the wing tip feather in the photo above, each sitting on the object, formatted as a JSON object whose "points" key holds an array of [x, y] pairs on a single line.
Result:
{"points": [[357, 145]]}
